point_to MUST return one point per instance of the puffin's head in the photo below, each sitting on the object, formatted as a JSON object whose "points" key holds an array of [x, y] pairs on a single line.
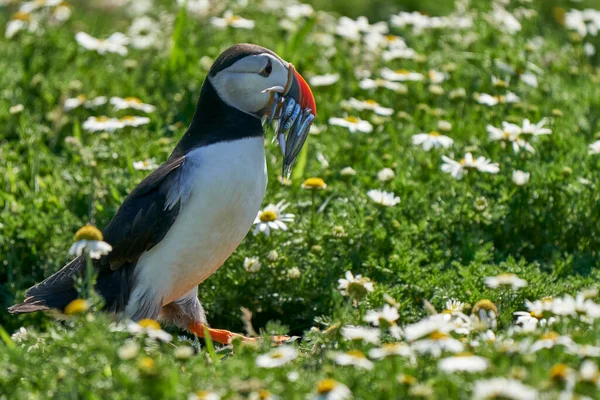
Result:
{"points": [[257, 82], [246, 75]]}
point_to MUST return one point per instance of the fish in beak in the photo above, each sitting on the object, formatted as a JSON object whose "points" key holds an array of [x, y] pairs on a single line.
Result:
{"points": [[294, 108]]}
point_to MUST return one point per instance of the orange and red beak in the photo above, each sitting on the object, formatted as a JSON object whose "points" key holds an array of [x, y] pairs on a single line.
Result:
{"points": [[300, 91]]}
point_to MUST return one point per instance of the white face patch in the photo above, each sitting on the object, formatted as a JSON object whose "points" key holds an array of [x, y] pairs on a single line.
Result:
{"points": [[241, 85]]}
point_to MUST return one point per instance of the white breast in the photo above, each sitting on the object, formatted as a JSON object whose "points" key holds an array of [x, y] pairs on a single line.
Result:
{"points": [[226, 183]]}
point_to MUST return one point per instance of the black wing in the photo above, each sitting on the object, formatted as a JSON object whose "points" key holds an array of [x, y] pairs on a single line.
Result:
{"points": [[141, 222]]}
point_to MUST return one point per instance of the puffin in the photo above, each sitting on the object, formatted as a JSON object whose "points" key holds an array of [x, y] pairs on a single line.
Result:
{"points": [[181, 223]]}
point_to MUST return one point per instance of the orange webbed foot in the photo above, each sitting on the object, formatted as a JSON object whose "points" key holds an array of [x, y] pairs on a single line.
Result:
{"points": [[225, 337]]}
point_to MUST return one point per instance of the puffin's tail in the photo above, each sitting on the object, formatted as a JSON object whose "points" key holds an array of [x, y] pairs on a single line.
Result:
{"points": [[56, 291], [28, 307]]}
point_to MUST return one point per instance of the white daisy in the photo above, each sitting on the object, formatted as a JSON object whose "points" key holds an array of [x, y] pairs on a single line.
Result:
{"points": [[115, 43], [131, 102], [95, 248], [324, 80], [145, 165], [368, 84], [427, 326], [529, 79], [387, 199], [144, 32], [594, 147], [463, 363], [148, 327], [132, 120], [204, 395], [432, 140], [536, 129], [198, 8], [391, 349], [20, 21], [352, 357], [351, 285], [454, 306], [354, 124], [368, 335], [436, 343], [503, 388], [520, 178], [349, 171], [370, 105], [510, 133], [458, 168], [505, 280], [299, 11], [277, 357], [401, 75], [252, 264], [386, 174], [76, 102], [329, 389], [436, 76], [233, 21], [272, 217], [387, 313], [489, 100], [16, 109]]}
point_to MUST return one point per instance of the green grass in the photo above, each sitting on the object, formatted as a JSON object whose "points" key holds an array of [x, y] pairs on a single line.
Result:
{"points": [[439, 243]]}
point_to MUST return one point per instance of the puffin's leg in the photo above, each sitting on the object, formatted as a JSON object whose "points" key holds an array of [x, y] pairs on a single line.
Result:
{"points": [[187, 313]]}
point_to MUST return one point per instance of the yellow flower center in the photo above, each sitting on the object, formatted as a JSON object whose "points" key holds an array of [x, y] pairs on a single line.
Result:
{"points": [[356, 353], [434, 133], [326, 386], [501, 99], [437, 335], [371, 102], [486, 305], [88, 232], [233, 18], [81, 98], [462, 161], [536, 314], [146, 364], [128, 118], [77, 306], [134, 100], [268, 216], [203, 395], [407, 379], [559, 371], [402, 71], [102, 118], [314, 183], [391, 38], [550, 336], [380, 82], [149, 323], [21, 16], [353, 120], [465, 354]]}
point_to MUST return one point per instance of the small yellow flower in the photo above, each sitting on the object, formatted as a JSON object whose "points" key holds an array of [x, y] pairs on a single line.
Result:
{"points": [[326, 386], [146, 364], [77, 306], [407, 379], [149, 323], [314, 184], [559, 372], [88, 232]]}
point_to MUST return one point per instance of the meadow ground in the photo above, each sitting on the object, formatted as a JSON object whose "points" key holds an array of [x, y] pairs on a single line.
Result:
{"points": [[448, 248]]}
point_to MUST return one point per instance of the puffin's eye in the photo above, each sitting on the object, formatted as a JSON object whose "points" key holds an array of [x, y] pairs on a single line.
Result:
{"points": [[267, 70]]}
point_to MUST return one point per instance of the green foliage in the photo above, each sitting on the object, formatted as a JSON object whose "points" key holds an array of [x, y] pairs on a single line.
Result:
{"points": [[439, 243]]}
